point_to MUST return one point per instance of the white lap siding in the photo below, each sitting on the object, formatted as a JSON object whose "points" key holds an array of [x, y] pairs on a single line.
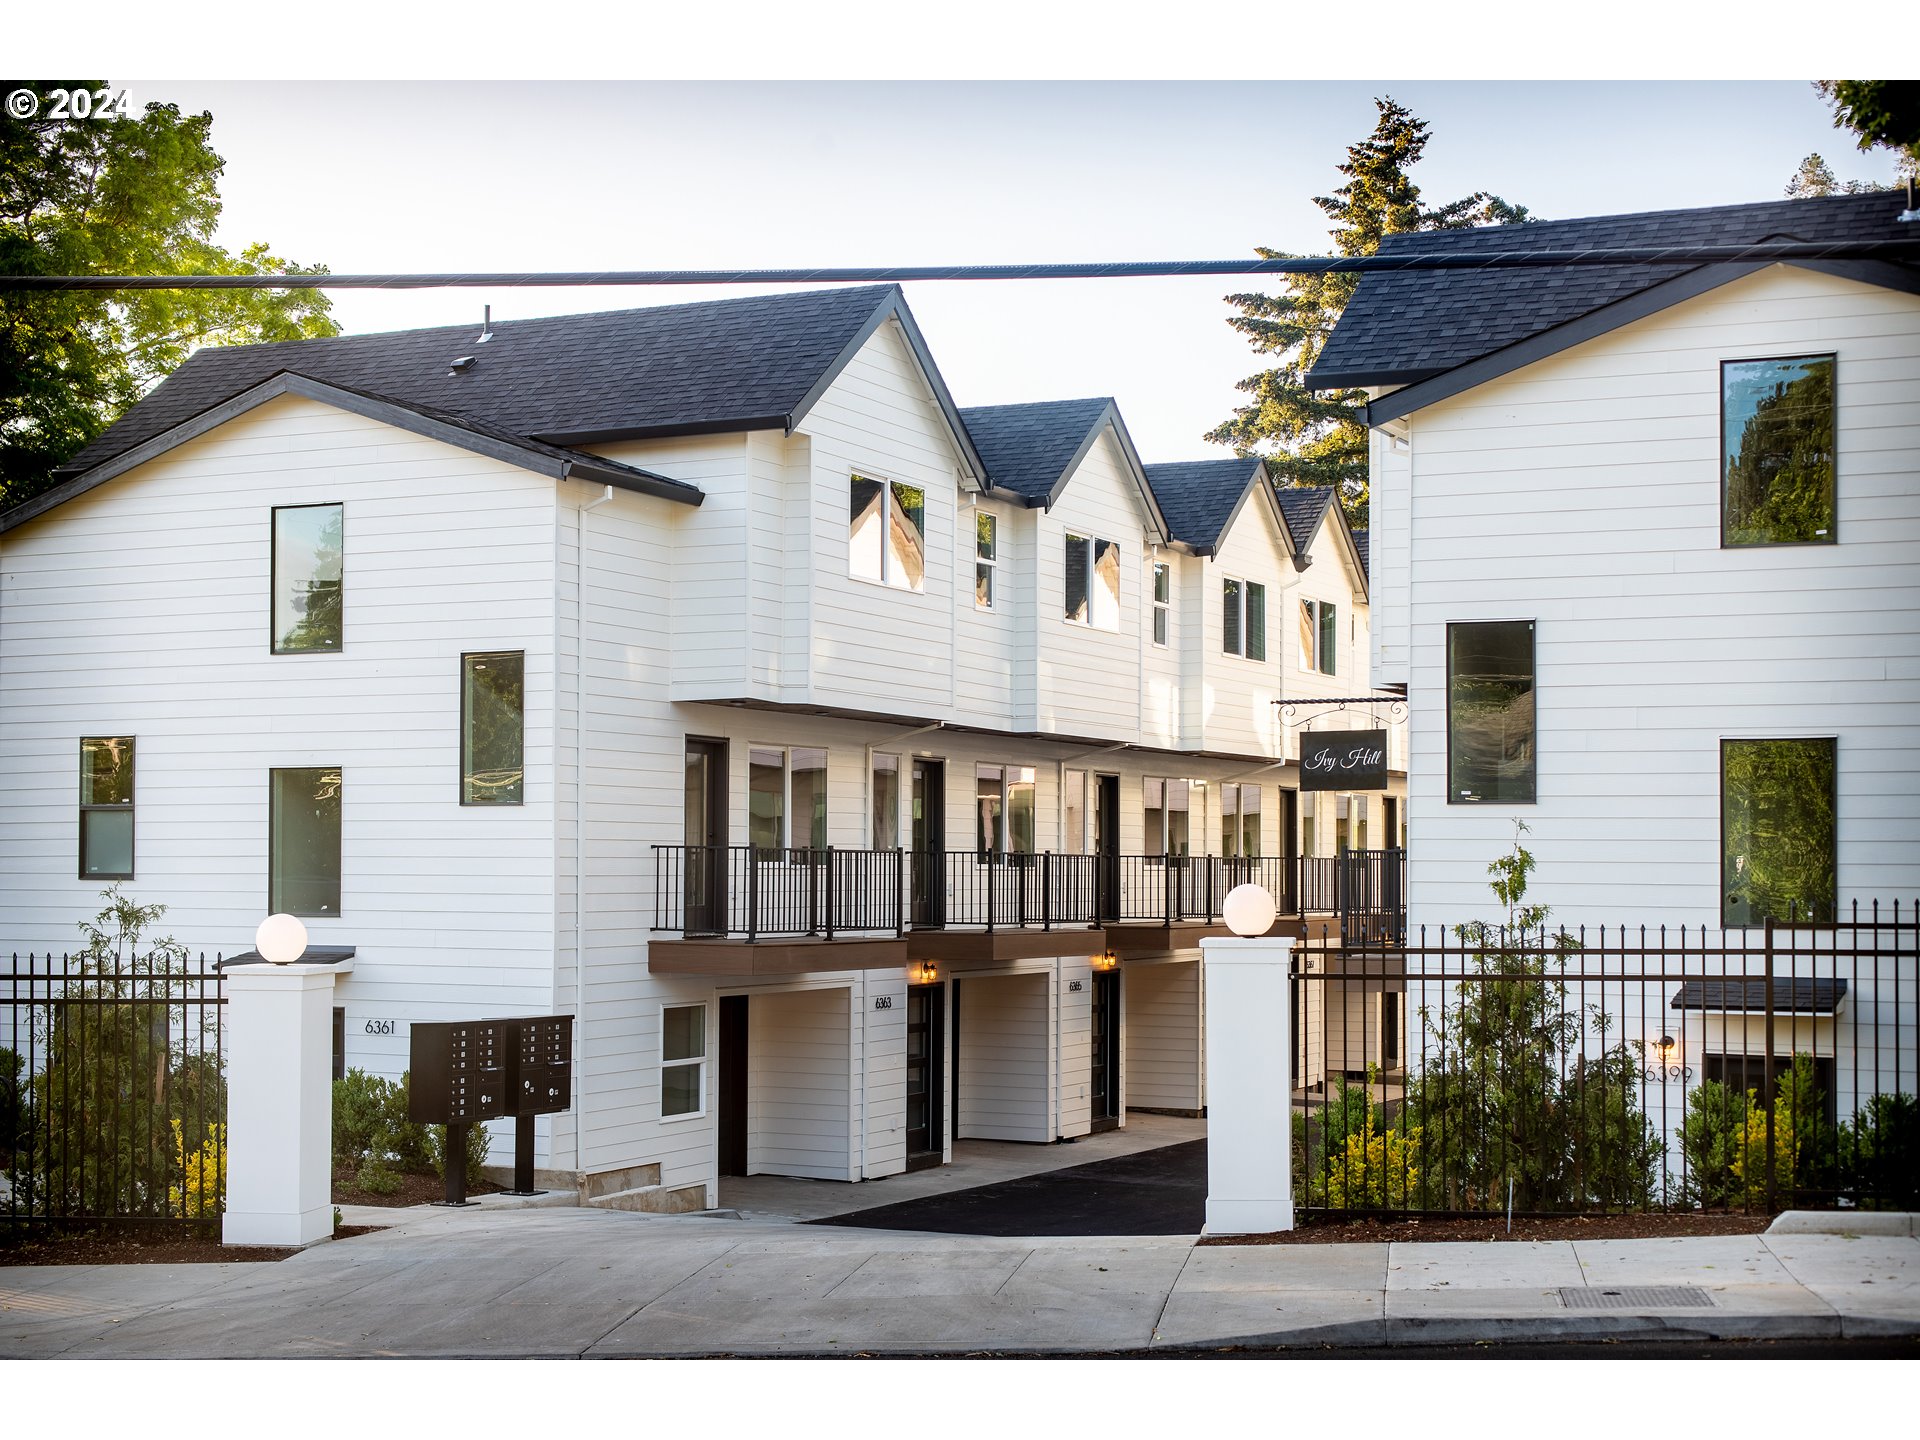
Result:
{"points": [[1164, 1058], [1005, 1058], [799, 1085]]}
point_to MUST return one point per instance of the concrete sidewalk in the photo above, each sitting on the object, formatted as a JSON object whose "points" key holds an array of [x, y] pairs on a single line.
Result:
{"points": [[565, 1282]]}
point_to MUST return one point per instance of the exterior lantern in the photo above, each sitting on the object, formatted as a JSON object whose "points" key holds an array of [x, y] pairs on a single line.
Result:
{"points": [[1249, 910], [281, 939]]}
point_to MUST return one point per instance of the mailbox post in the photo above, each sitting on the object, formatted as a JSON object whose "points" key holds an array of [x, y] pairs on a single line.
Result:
{"points": [[466, 1072]]}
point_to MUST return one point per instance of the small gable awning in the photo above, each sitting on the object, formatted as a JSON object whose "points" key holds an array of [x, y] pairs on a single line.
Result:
{"points": [[1748, 994]]}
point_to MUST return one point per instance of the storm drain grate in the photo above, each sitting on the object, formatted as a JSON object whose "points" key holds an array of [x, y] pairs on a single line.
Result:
{"points": [[1634, 1297]]}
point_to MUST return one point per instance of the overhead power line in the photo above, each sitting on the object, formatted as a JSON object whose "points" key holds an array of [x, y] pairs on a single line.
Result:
{"points": [[1885, 250]]}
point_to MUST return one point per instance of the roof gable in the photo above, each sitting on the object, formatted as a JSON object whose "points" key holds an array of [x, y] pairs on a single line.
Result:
{"points": [[1033, 449], [1202, 498], [1311, 508]]}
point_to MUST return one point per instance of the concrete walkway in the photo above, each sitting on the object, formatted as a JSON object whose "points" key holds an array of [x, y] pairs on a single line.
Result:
{"points": [[562, 1282]]}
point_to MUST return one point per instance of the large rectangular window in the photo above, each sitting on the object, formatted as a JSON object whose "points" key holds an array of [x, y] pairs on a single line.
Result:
{"points": [[1490, 718], [303, 842], [493, 728], [106, 808], [1004, 809], [1778, 831], [886, 533], [786, 798], [1093, 582], [1167, 805], [986, 557], [1162, 603], [1243, 618], [683, 1060], [308, 593], [1776, 451], [1319, 637]]}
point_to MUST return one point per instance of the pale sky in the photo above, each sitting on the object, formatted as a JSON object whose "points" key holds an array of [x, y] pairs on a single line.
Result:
{"points": [[383, 176]]}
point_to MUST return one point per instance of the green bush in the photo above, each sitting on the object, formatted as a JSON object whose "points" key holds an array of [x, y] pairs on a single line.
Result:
{"points": [[1711, 1135], [477, 1147], [1879, 1153], [372, 1131]]}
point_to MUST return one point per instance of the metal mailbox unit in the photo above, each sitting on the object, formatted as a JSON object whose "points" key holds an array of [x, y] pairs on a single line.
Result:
{"points": [[464, 1072]]}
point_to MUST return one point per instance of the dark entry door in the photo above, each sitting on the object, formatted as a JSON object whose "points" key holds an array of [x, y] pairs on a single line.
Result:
{"points": [[929, 843], [1106, 1050], [705, 833], [926, 1032], [1106, 843], [733, 1084]]}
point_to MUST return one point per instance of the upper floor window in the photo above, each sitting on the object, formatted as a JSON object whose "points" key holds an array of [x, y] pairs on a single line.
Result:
{"points": [[1240, 820], [986, 557], [1776, 456], [1003, 809], [1320, 636], [1093, 583], [493, 728], [1490, 719], [1162, 602], [1777, 829], [308, 595], [786, 798], [1168, 806], [886, 533], [106, 808], [1243, 618], [303, 842]]}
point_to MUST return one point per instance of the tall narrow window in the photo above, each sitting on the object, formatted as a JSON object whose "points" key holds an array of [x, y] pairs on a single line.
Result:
{"points": [[1106, 585], [1490, 715], [1230, 603], [1309, 832], [492, 728], [886, 802], [1073, 805], [1020, 810], [106, 808], [308, 592], [766, 798], [1092, 582], [989, 807], [1243, 629], [1162, 603], [1004, 809], [683, 1057], [886, 533], [986, 557], [809, 807], [1778, 830], [1167, 806], [1240, 820], [1256, 621], [1777, 449], [303, 842], [1319, 636], [1342, 824]]}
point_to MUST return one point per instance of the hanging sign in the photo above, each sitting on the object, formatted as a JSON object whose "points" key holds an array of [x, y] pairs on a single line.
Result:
{"points": [[1343, 760]]}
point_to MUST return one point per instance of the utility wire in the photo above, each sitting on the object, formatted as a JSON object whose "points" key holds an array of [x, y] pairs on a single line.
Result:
{"points": [[1892, 250]]}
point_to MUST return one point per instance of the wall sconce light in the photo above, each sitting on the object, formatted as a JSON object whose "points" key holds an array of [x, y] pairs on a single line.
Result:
{"points": [[925, 973], [1106, 961], [1665, 1042]]}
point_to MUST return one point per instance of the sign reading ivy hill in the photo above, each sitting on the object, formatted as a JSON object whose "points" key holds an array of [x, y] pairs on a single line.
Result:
{"points": [[1343, 760]]}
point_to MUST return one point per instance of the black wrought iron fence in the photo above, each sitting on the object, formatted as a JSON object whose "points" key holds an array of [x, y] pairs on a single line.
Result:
{"points": [[1477, 1069], [113, 1093]]}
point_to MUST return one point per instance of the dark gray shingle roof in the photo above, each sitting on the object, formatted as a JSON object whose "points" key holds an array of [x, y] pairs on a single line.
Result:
{"points": [[1198, 497], [1360, 544], [669, 369], [1303, 505], [1405, 326], [1805, 995], [1028, 447]]}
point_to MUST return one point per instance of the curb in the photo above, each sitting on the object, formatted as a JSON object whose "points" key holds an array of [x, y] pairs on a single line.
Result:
{"points": [[1845, 1222]]}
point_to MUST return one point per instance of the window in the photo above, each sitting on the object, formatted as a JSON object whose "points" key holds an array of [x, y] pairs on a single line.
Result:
{"points": [[1162, 603], [1359, 822], [1003, 809], [1073, 805], [106, 808], [492, 728], [1342, 824], [886, 533], [303, 842], [1392, 1028], [1490, 720], [1776, 451], [1240, 820], [986, 557], [1243, 616], [683, 1060], [886, 802], [1319, 636], [308, 598], [1167, 804], [782, 784], [1777, 830], [1093, 583], [1309, 833]]}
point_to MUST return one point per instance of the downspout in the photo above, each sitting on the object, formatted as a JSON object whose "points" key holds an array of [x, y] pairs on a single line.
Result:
{"points": [[580, 829]]}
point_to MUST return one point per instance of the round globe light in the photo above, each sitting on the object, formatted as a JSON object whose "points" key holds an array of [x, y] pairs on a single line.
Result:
{"points": [[1249, 910], [281, 939]]}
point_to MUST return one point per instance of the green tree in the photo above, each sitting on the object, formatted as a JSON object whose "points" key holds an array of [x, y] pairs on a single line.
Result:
{"points": [[1815, 178], [132, 195], [1320, 439], [1881, 113]]}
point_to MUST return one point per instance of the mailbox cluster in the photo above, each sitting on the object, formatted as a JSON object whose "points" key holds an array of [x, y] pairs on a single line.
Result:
{"points": [[467, 1071]]}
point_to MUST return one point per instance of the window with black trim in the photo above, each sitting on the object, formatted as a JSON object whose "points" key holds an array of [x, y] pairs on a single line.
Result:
{"points": [[309, 594], [303, 841], [1778, 830], [493, 728], [1490, 713], [1776, 451], [1093, 583], [106, 808]]}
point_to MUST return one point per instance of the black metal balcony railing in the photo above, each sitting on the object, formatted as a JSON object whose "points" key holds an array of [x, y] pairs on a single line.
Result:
{"points": [[756, 892]]}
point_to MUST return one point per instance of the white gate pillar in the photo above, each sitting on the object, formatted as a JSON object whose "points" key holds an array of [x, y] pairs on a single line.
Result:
{"points": [[279, 1028], [1249, 1085]]}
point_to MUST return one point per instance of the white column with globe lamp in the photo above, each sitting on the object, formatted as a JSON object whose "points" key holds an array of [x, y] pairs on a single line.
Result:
{"points": [[280, 1092], [1249, 1079]]}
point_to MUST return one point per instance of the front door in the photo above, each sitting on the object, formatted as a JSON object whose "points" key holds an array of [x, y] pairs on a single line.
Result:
{"points": [[704, 867], [926, 1030], [929, 843], [1105, 1090], [733, 1084], [1106, 843]]}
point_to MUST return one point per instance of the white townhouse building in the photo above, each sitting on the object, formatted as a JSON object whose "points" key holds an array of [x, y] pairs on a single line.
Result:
{"points": [[1645, 539], [860, 772]]}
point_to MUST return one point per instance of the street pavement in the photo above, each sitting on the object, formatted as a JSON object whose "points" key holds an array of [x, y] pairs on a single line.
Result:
{"points": [[560, 1281]]}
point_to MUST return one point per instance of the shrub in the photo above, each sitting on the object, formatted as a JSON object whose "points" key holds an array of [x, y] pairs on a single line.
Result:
{"points": [[1711, 1135], [1375, 1170], [202, 1191], [478, 1146], [1879, 1153], [372, 1131]]}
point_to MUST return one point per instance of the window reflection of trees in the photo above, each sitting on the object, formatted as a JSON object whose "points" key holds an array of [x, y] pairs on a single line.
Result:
{"points": [[1779, 451]]}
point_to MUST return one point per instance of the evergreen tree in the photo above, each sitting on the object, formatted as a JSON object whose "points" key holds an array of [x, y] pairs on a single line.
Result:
{"points": [[1320, 439], [1815, 178]]}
